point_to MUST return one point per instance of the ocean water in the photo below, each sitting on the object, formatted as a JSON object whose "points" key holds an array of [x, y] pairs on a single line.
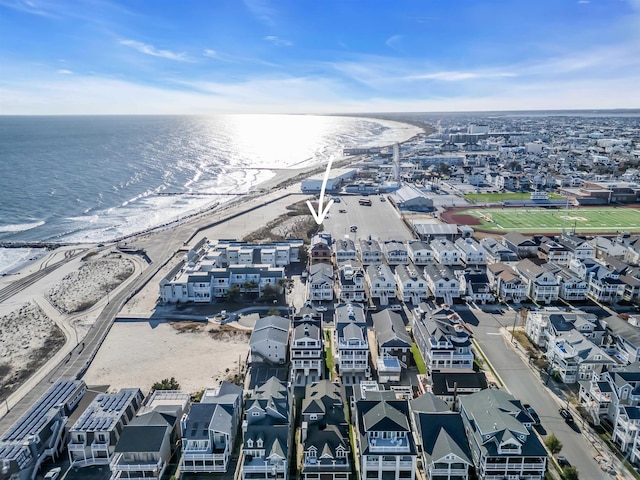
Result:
{"points": [[99, 178]]}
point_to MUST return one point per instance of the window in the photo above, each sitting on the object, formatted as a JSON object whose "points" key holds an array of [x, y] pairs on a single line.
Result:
{"points": [[250, 443]]}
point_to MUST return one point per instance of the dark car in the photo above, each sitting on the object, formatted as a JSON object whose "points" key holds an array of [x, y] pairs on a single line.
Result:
{"points": [[563, 462], [566, 415], [532, 413]]}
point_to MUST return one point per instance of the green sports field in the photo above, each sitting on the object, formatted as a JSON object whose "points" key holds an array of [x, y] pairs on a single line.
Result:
{"points": [[499, 197], [534, 220]]}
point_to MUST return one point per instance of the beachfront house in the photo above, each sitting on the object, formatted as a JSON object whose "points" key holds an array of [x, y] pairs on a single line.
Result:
{"points": [[38, 435], [344, 250], [269, 340], [148, 442], [210, 428], [93, 438]]}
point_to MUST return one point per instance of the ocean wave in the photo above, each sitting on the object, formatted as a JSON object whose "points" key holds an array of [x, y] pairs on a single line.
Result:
{"points": [[20, 227]]}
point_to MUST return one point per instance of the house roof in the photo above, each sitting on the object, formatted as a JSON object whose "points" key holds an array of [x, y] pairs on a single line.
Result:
{"points": [[428, 402], [384, 416], [442, 434], [145, 433], [390, 329]]}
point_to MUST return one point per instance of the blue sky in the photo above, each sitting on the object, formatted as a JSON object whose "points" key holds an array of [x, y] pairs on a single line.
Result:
{"points": [[317, 56]]}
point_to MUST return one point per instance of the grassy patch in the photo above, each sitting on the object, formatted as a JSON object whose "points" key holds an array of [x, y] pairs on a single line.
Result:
{"points": [[535, 219], [417, 357], [328, 353]]}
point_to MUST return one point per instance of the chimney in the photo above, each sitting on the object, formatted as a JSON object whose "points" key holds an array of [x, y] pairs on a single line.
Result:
{"points": [[303, 435]]}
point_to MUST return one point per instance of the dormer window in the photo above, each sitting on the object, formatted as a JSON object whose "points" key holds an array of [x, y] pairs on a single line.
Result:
{"points": [[249, 443], [259, 443]]}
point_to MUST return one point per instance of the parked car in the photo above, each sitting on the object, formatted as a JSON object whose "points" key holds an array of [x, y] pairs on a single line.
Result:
{"points": [[336, 199], [321, 308], [342, 210], [395, 307], [563, 462], [354, 228], [53, 474], [532, 413], [566, 415]]}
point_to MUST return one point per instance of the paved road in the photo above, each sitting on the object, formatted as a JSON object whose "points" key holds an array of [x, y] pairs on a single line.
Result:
{"points": [[528, 387]]}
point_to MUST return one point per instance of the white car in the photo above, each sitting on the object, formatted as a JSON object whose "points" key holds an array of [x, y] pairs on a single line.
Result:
{"points": [[53, 474], [321, 308]]}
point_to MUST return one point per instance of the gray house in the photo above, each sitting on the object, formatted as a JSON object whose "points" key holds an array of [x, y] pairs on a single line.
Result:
{"points": [[325, 433], [209, 430], [269, 340]]}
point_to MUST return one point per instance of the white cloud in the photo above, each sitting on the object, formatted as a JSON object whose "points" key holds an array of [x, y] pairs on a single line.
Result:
{"points": [[394, 41], [25, 6], [153, 51], [450, 76], [209, 53], [278, 41], [64, 71]]}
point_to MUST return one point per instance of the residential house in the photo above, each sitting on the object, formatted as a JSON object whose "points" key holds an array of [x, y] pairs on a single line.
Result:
{"points": [[149, 441], [412, 286], [442, 282], [632, 254], [471, 252], [542, 285], [370, 252], [506, 283], [629, 275], [383, 436], [572, 287], [209, 430], [626, 427], [477, 287], [93, 438], [320, 282], [38, 435], [445, 252], [580, 247], [441, 439], [624, 338], [267, 432], [324, 433], [442, 338], [501, 439], [307, 351], [552, 251], [612, 247], [391, 336], [269, 340], [381, 282], [420, 253], [345, 251], [605, 285], [395, 252], [450, 386], [351, 344], [320, 249], [497, 252], [351, 284], [544, 325], [521, 245]]}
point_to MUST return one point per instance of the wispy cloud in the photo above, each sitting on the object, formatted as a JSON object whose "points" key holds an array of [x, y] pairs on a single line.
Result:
{"points": [[262, 10], [28, 6], [64, 71], [153, 51], [278, 41], [394, 41], [451, 76]]}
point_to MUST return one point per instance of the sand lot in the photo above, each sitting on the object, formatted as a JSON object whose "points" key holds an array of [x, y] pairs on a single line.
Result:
{"points": [[137, 354]]}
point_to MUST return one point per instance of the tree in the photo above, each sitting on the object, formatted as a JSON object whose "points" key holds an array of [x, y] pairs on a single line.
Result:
{"points": [[233, 294], [269, 292], [166, 384], [570, 473], [553, 444]]}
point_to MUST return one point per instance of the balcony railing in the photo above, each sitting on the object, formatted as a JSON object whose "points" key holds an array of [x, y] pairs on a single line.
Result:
{"points": [[389, 464]]}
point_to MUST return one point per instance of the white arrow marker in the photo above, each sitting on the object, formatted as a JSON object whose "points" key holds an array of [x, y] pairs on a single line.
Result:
{"points": [[318, 217]]}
